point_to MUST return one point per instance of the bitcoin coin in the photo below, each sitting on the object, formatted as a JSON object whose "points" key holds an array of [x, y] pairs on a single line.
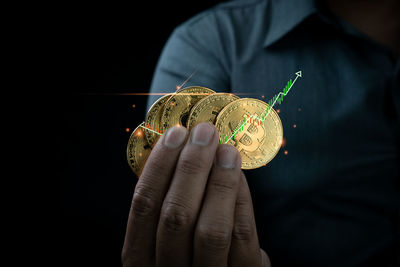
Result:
{"points": [[138, 150], [257, 142], [177, 108], [153, 119], [207, 109]]}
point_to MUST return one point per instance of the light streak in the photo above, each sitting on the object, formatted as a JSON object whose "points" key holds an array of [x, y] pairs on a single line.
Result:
{"points": [[249, 117], [185, 81], [149, 94]]}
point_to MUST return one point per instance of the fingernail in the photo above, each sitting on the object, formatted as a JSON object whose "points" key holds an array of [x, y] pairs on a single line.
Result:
{"points": [[202, 134], [227, 156], [175, 136]]}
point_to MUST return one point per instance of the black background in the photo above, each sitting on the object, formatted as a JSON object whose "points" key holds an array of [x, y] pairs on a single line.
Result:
{"points": [[109, 49]]}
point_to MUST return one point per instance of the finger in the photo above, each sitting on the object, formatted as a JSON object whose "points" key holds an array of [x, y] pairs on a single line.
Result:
{"points": [[139, 245], [214, 226], [245, 249], [182, 202]]}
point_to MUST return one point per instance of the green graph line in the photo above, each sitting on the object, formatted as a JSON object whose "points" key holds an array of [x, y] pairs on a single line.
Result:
{"points": [[271, 104], [277, 98]]}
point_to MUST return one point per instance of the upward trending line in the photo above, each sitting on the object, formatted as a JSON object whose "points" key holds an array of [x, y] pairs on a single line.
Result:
{"points": [[271, 103]]}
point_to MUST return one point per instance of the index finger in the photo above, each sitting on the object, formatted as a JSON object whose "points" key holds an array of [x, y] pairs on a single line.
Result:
{"points": [[139, 245]]}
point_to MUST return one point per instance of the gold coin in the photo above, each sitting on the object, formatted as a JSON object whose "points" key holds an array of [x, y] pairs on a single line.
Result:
{"points": [[177, 108], [207, 109], [258, 141], [153, 119], [138, 150]]}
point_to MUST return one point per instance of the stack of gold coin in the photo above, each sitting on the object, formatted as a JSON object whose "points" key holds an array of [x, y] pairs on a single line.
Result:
{"points": [[248, 124]]}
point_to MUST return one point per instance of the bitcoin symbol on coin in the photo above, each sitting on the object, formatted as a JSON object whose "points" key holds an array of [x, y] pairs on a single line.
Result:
{"points": [[249, 124], [257, 144], [250, 138]]}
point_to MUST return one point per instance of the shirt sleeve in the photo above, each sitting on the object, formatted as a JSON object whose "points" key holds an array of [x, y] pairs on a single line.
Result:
{"points": [[194, 48]]}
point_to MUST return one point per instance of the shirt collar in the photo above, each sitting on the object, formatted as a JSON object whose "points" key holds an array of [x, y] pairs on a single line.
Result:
{"points": [[285, 15]]}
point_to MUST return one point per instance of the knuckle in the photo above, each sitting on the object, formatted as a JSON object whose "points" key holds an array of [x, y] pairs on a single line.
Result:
{"points": [[158, 164], [189, 164], [176, 218], [243, 230], [214, 238], [224, 184], [143, 204]]}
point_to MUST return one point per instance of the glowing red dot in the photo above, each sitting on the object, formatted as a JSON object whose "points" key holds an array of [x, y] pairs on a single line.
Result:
{"points": [[278, 111], [294, 125], [285, 152], [139, 133], [127, 130], [283, 142], [134, 106], [262, 96]]}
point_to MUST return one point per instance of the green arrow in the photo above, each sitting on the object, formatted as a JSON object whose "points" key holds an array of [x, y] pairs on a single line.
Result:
{"points": [[272, 101]]}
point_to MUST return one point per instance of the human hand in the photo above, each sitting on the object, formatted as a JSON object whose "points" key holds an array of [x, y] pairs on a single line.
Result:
{"points": [[192, 206]]}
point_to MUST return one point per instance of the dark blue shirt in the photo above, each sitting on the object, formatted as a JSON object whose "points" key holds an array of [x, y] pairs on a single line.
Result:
{"points": [[333, 200]]}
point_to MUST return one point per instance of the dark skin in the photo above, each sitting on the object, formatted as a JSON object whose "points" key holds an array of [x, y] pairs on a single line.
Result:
{"points": [[192, 205]]}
